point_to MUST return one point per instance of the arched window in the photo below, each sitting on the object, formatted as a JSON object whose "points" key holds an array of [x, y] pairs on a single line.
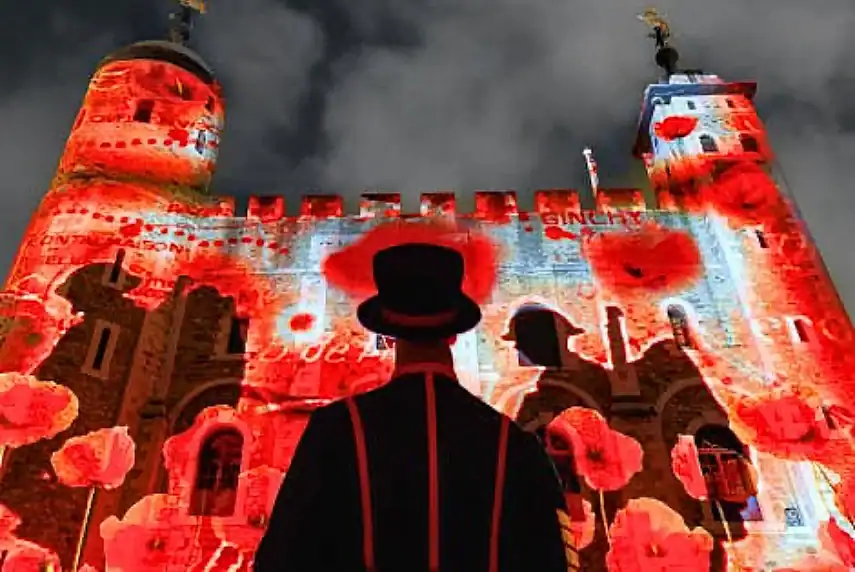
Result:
{"points": [[680, 326], [708, 144], [749, 144], [728, 473], [215, 487]]}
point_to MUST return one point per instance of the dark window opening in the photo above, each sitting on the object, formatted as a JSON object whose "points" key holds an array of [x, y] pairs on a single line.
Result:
{"points": [[680, 326], [537, 339], [101, 349], [801, 328], [209, 105], [730, 103], [145, 108], [749, 144], [201, 141], [761, 239], [728, 474], [708, 144], [237, 336], [116, 269], [691, 104], [217, 474]]}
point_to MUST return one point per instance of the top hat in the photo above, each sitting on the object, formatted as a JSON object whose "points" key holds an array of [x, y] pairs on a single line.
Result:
{"points": [[532, 311], [419, 294]]}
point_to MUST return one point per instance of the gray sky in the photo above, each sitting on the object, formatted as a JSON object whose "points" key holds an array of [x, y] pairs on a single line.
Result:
{"points": [[441, 94]]}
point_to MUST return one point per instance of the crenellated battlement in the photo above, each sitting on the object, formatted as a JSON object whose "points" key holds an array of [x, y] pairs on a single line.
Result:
{"points": [[489, 205]]}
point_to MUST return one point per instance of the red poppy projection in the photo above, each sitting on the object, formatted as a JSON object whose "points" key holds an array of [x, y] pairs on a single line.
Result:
{"points": [[160, 357]]}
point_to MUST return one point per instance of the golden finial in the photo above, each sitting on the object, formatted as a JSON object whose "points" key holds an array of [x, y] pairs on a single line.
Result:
{"points": [[661, 31]]}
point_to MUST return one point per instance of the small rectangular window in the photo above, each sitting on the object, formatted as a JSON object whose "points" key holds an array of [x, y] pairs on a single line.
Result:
{"points": [[115, 274], [690, 105], [236, 344], [101, 348], [143, 113], [761, 238], [201, 142], [730, 103]]}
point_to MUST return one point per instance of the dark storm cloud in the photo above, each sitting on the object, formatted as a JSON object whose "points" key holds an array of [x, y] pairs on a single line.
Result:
{"points": [[423, 95]]}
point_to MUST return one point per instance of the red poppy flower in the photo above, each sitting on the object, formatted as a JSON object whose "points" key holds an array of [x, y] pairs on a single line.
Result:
{"points": [[9, 522], [605, 458], [31, 410], [675, 127], [27, 556], [145, 539], [838, 542], [101, 458], [650, 259], [350, 269], [744, 193], [647, 536], [687, 467], [788, 424]]}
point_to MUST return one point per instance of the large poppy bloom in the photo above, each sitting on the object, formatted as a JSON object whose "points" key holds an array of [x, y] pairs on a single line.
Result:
{"points": [[101, 458], [350, 268], [675, 127], [145, 539], [605, 458], [744, 194], [647, 536], [687, 467], [788, 424], [650, 259], [31, 410], [25, 556]]}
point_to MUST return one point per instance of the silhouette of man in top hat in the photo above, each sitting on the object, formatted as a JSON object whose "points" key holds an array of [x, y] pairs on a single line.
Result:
{"points": [[418, 475]]}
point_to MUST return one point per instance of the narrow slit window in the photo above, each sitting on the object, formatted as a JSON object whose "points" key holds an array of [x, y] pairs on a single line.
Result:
{"points": [[680, 326], [101, 349], [800, 330], [708, 144], [115, 275], [749, 144], [236, 343], [201, 142], [761, 238], [143, 113]]}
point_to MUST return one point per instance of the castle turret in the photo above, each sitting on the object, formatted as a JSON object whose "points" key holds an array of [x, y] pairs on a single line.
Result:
{"points": [[147, 134]]}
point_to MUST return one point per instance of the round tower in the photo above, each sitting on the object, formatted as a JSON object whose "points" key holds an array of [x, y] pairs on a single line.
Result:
{"points": [[146, 137], [152, 112]]}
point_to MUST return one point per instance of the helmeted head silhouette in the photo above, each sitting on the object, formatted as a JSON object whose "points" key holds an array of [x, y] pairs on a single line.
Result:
{"points": [[540, 334], [419, 294]]}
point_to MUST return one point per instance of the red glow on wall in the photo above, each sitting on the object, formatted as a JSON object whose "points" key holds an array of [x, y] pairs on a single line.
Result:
{"points": [[350, 268], [745, 194], [652, 259]]}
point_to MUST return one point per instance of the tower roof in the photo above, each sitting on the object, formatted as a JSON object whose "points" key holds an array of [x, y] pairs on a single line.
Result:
{"points": [[164, 51]]}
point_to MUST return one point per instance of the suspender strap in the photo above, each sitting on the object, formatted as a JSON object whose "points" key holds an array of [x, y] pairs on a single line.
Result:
{"points": [[364, 487], [433, 472], [498, 495]]}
